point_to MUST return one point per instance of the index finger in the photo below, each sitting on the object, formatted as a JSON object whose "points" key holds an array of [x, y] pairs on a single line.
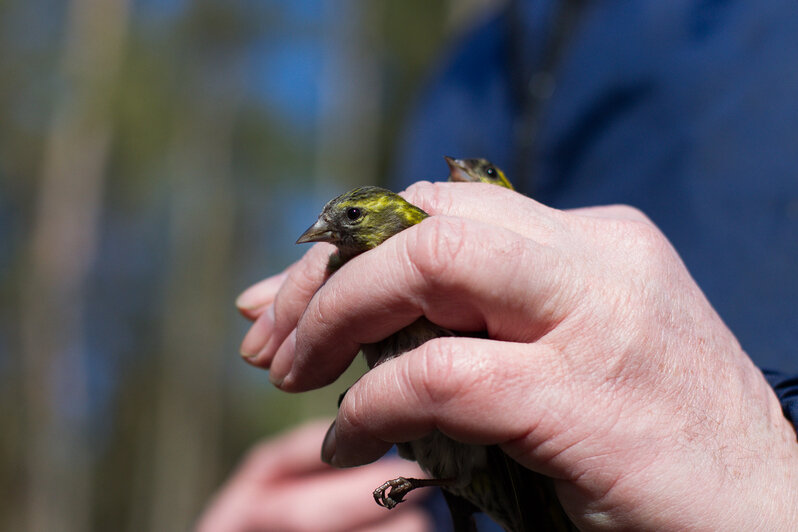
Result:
{"points": [[489, 204]]}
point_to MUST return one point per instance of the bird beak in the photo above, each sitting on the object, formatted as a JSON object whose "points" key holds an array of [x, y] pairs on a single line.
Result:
{"points": [[318, 232], [458, 170]]}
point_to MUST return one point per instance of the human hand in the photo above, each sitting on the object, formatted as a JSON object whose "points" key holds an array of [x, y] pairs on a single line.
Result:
{"points": [[283, 485], [606, 369]]}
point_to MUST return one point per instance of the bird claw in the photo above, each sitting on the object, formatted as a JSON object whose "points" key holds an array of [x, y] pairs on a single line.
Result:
{"points": [[393, 492]]}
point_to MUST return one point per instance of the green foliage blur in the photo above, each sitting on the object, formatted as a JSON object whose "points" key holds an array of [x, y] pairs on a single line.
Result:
{"points": [[156, 158]]}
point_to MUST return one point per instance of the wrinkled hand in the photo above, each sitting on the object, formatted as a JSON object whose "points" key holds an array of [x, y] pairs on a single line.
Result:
{"points": [[283, 485], [606, 369]]}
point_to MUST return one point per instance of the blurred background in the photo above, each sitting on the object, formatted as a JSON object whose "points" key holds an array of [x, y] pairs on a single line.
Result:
{"points": [[156, 158]]}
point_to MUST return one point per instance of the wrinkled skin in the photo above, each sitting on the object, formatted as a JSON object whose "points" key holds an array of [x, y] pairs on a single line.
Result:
{"points": [[606, 368]]}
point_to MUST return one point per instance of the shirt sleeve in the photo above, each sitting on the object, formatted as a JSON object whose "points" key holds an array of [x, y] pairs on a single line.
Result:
{"points": [[786, 388]]}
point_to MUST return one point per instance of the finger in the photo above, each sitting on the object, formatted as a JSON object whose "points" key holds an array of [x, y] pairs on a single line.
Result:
{"points": [[412, 519], [257, 297], [292, 454], [453, 271], [332, 500], [615, 212], [340, 500], [489, 204], [474, 390], [258, 335], [278, 320]]}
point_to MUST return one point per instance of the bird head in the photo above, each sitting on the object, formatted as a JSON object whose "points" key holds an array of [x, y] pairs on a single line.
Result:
{"points": [[476, 171], [362, 219]]}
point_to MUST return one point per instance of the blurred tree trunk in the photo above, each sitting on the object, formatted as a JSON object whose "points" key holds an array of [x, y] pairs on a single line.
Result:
{"points": [[350, 96], [63, 247], [189, 390], [460, 13]]}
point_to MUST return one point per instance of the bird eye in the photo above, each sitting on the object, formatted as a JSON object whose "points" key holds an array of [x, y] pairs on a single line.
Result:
{"points": [[491, 171], [353, 213]]}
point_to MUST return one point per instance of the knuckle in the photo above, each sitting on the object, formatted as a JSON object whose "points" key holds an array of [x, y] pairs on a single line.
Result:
{"points": [[629, 212], [283, 310], [322, 309], [301, 281], [353, 409], [308, 276], [648, 240], [436, 377], [435, 246], [645, 253], [298, 289], [632, 231], [432, 197], [417, 190]]}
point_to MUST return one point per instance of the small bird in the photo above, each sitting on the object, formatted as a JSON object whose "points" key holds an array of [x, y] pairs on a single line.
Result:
{"points": [[476, 171], [473, 477]]}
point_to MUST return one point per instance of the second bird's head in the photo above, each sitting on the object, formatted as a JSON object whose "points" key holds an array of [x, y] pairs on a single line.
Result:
{"points": [[476, 171], [362, 219]]}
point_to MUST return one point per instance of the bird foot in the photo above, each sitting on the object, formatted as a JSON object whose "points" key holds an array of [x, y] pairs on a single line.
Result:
{"points": [[393, 492]]}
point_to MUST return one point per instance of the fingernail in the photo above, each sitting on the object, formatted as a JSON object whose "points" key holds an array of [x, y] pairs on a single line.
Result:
{"points": [[258, 335], [276, 380], [328, 446], [283, 360]]}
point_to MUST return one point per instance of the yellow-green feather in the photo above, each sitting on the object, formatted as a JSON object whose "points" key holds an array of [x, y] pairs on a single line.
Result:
{"points": [[503, 181], [384, 214]]}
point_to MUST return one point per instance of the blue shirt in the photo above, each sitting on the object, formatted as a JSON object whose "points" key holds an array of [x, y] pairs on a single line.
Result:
{"points": [[687, 110]]}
